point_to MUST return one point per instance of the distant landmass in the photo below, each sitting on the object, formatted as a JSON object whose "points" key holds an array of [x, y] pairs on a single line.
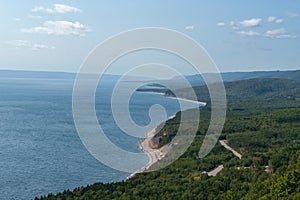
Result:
{"points": [[47, 75], [195, 80], [237, 76], [36, 74], [250, 89]]}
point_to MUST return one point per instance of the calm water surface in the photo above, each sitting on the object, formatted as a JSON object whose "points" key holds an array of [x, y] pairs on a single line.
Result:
{"points": [[40, 151]]}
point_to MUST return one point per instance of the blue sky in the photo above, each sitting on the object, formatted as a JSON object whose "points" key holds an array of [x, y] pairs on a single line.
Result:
{"points": [[239, 35]]}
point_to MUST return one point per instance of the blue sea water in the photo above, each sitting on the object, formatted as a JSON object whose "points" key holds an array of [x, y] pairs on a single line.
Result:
{"points": [[40, 150]]}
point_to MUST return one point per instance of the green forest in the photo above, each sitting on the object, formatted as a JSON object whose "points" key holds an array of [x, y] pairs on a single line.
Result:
{"points": [[263, 124]]}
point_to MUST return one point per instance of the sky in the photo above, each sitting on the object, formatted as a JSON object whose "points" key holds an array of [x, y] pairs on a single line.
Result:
{"points": [[238, 35]]}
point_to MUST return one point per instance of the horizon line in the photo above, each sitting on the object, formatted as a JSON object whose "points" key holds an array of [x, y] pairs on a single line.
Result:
{"points": [[74, 72]]}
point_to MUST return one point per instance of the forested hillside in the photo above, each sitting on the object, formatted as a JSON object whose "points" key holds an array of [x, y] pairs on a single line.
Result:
{"points": [[196, 80], [263, 124]]}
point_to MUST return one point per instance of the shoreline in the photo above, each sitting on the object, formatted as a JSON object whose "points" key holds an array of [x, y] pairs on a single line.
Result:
{"points": [[142, 145], [155, 155], [188, 100], [178, 98]]}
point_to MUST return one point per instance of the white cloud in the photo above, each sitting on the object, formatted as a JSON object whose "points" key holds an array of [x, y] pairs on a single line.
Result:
{"points": [[278, 21], [292, 15], [234, 25], [279, 34], [41, 46], [59, 28], [57, 8], [189, 28], [37, 9], [248, 33], [275, 20], [61, 8], [221, 24], [271, 19], [251, 22], [35, 16], [17, 19], [27, 44]]}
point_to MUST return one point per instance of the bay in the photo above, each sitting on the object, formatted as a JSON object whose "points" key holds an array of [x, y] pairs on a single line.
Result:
{"points": [[40, 150]]}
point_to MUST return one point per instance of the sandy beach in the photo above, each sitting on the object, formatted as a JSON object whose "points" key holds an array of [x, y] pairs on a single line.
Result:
{"points": [[157, 154], [188, 100], [154, 154]]}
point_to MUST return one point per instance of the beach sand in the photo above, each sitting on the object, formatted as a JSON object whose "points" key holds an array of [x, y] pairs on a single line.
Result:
{"points": [[188, 100], [154, 154], [157, 154]]}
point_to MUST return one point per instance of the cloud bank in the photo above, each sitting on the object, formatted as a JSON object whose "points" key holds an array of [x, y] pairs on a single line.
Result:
{"points": [[57, 8], [275, 20], [248, 33], [279, 34], [189, 27], [27, 44], [251, 22], [59, 28], [221, 24]]}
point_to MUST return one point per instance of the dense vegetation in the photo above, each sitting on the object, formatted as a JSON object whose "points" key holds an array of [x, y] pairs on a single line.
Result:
{"points": [[263, 124], [245, 98], [197, 80]]}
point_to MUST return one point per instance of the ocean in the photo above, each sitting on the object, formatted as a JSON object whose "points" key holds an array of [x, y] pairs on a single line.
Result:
{"points": [[40, 150]]}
